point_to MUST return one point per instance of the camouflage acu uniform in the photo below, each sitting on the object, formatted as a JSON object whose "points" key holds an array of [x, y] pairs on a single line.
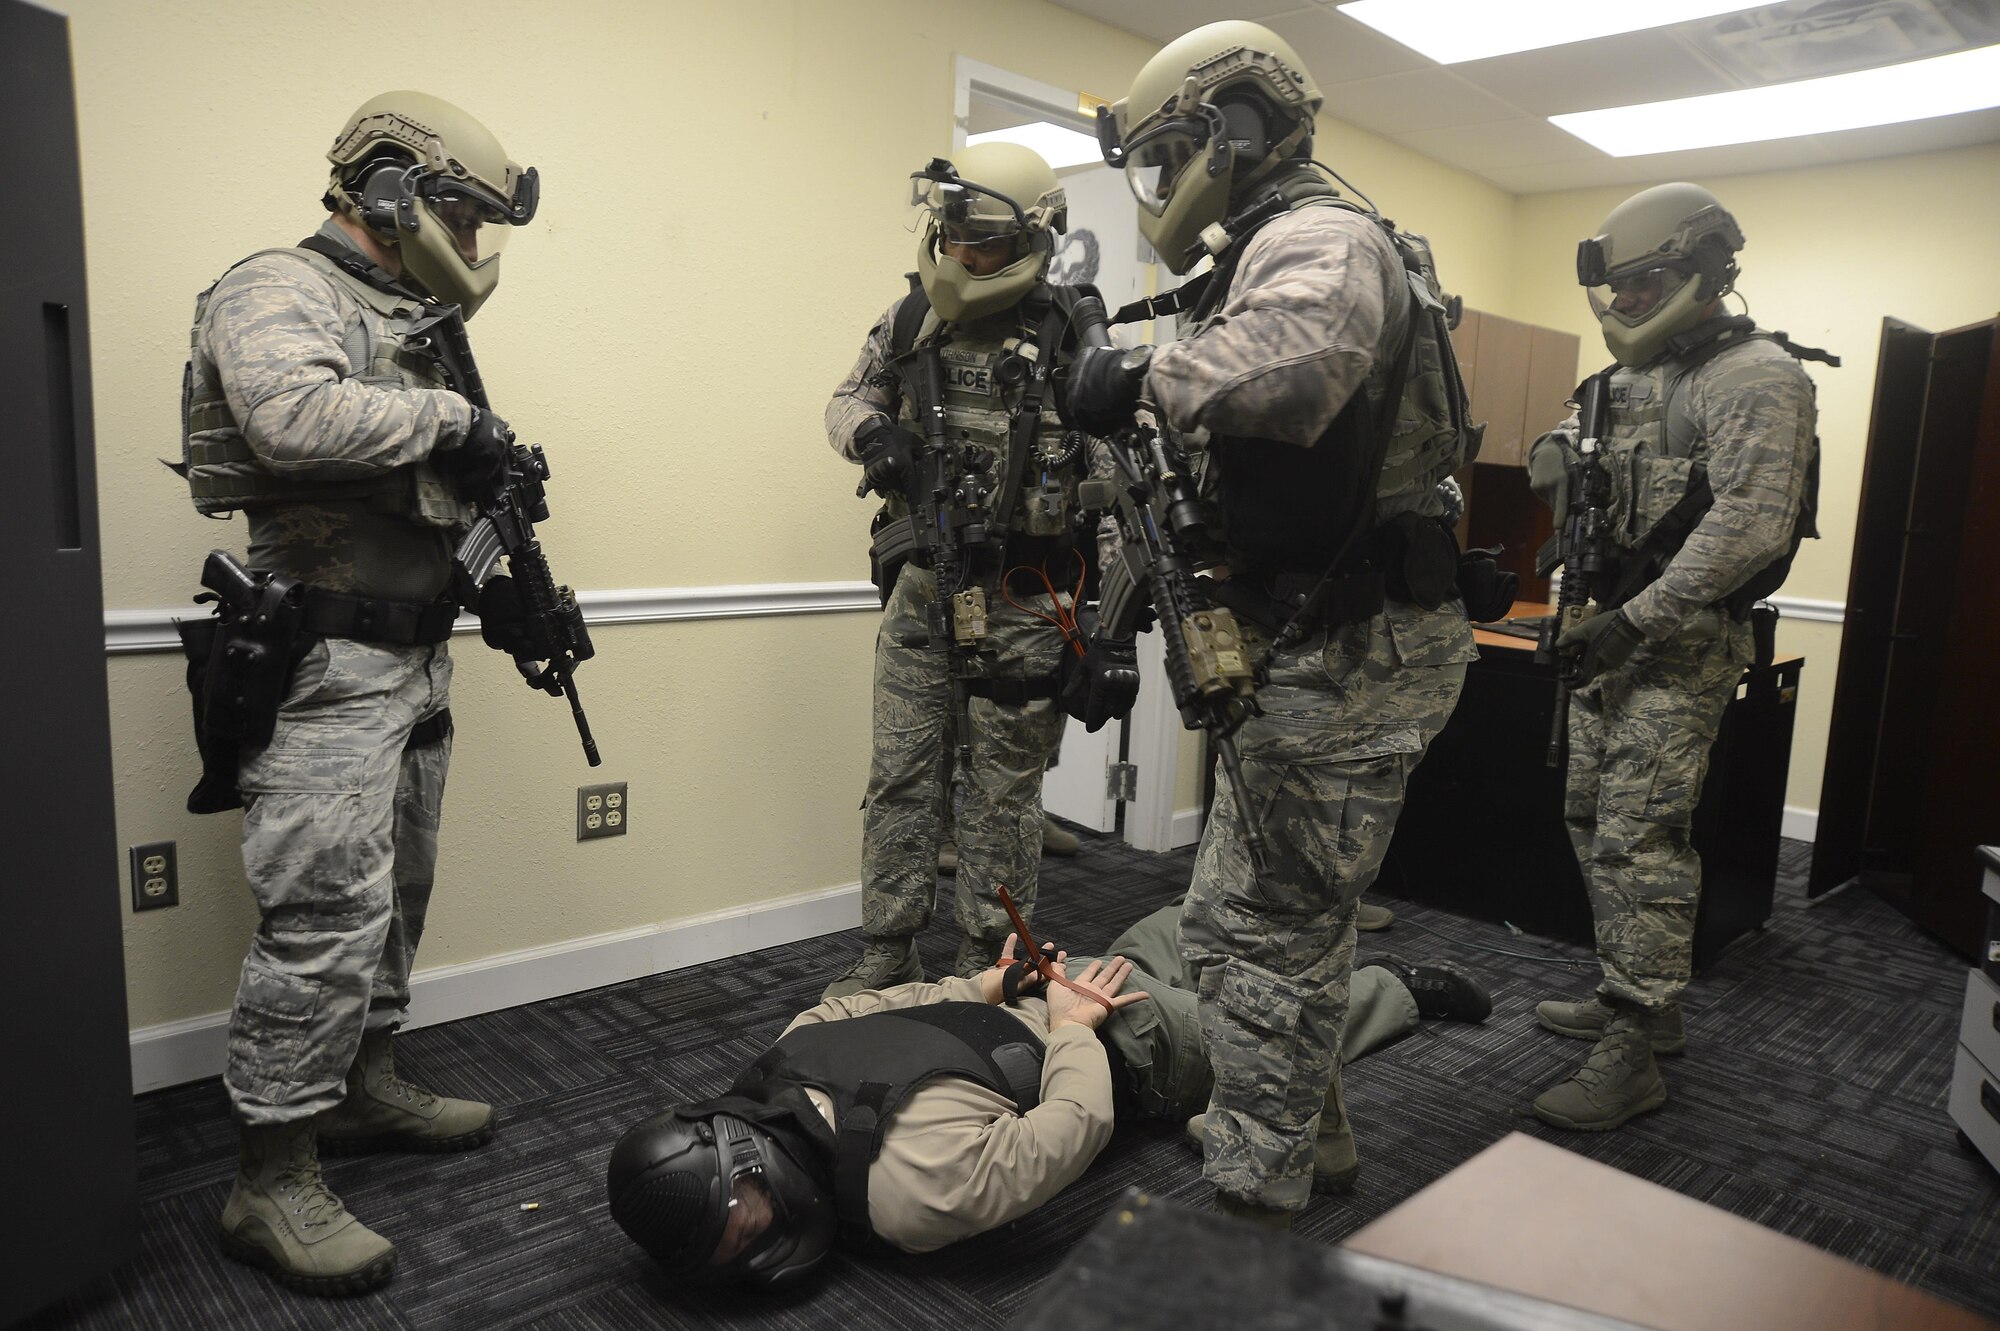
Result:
{"points": [[1158, 1044], [305, 409], [1640, 735], [1312, 316], [999, 816]]}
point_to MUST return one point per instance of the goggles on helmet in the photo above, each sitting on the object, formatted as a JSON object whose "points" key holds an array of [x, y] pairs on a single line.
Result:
{"points": [[964, 211], [478, 219]]}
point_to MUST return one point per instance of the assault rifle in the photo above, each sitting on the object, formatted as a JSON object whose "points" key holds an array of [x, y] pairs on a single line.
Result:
{"points": [[553, 638], [949, 519], [1162, 522], [1581, 547]]}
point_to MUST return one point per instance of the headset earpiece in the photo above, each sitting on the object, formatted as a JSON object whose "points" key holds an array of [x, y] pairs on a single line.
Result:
{"points": [[1248, 133]]}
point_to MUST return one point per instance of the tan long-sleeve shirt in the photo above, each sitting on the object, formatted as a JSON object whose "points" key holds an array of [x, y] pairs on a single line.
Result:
{"points": [[957, 1160]]}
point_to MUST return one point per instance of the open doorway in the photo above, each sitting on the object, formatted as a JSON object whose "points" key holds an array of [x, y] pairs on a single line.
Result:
{"points": [[1102, 247]]}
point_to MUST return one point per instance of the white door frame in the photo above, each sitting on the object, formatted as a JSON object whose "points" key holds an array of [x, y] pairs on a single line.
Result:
{"points": [[1154, 728]]}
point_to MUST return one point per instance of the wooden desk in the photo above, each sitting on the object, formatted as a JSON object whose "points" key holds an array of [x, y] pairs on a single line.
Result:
{"points": [[1482, 833], [1526, 1216]]}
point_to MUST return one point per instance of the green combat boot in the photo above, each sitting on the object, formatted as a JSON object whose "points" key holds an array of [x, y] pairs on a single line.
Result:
{"points": [[976, 954], [1268, 1217], [1586, 1021], [382, 1112], [885, 961], [1335, 1165], [1370, 918], [1057, 839], [1617, 1083], [282, 1217]]}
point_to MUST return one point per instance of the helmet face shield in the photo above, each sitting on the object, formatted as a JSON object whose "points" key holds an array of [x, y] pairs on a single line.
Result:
{"points": [[1635, 296], [477, 223], [985, 245]]}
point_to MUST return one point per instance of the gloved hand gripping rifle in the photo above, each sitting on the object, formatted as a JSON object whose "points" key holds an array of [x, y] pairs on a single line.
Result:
{"points": [[552, 639], [1161, 520], [1582, 548]]}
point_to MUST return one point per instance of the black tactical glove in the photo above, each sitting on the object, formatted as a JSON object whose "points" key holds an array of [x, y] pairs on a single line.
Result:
{"points": [[889, 456], [503, 620], [1102, 684], [1602, 642], [477, 466], [1104, 384]]}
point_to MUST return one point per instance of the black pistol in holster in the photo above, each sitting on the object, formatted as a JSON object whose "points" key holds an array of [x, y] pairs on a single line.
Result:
{"points": [[525, 612], [1582, 548], [240, 664], [1161, 522]]}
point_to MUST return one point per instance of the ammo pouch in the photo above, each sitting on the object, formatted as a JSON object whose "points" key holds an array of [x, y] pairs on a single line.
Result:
{"points": [[1487, 589], [892, 540]]}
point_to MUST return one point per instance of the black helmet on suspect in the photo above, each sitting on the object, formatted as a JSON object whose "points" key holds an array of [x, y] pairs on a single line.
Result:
{"points": [[720, 1199]]}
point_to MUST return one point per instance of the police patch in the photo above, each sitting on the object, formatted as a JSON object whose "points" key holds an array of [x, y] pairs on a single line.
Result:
{"points": [[969, 379]]}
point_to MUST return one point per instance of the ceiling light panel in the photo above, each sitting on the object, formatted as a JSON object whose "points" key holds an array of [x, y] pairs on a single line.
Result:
{"points": [[1452, 31], [1918, 90]]}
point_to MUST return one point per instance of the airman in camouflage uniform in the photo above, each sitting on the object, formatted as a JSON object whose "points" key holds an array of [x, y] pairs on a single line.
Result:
{"points": [[1695, 395], [981, 262], [310, 408], [1292, 356]]}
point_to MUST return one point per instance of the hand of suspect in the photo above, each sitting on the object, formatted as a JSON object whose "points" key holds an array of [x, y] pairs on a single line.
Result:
{"points": [[889, 456], [1103, 684], [1014, 974], [1602, 642], [477, 465], [1103, 387], [1101, 980]]}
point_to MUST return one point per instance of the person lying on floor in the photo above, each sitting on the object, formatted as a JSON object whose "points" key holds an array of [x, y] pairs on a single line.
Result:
{"points": [[911, 1117]]}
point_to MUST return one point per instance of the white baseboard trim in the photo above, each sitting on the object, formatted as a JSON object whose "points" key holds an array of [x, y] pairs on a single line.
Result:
{"points": [[131, 632], [1800, 824], [1822, 612], [1186, 827], [197, 1047]]}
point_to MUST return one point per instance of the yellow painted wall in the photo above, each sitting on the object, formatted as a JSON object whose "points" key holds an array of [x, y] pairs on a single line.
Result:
{"points": [[1830, 250], [723, 216]]}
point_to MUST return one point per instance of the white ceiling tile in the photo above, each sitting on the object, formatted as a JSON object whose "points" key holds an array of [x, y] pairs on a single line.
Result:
{"points": [[1611, 71], [1478, 148], [1337, 49], [1164, 20], [1431, 98]]}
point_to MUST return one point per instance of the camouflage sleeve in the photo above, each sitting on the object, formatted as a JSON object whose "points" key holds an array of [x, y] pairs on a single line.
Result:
{"points": [[273, 330], [1302, 325], [1758, 416], [866, 391]]}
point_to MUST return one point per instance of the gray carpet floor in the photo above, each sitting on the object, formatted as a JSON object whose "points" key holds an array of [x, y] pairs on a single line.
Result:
{"points": [[1812, 1101]]}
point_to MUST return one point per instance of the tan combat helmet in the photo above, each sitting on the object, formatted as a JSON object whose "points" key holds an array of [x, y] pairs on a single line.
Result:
{"points": [[427, 178], [1655, 265], [1215, 112], [986, 193]]}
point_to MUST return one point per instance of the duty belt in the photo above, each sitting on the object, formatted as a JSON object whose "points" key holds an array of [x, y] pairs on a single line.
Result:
{"points": [[401, 623]]}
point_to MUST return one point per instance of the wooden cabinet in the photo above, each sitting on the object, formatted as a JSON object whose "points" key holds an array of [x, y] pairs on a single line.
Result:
{"points": [[1911, 786], [1519, 378]]}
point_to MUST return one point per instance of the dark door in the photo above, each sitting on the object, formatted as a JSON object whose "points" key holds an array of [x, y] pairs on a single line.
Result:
{"points": [[1901, 375], [66, 1148]]}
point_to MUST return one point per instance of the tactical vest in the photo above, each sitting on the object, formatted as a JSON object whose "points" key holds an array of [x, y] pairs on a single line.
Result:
{"points": [[1656, 458], [984, 390], [223, 473], [869, 1067], [1302, 509]]}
